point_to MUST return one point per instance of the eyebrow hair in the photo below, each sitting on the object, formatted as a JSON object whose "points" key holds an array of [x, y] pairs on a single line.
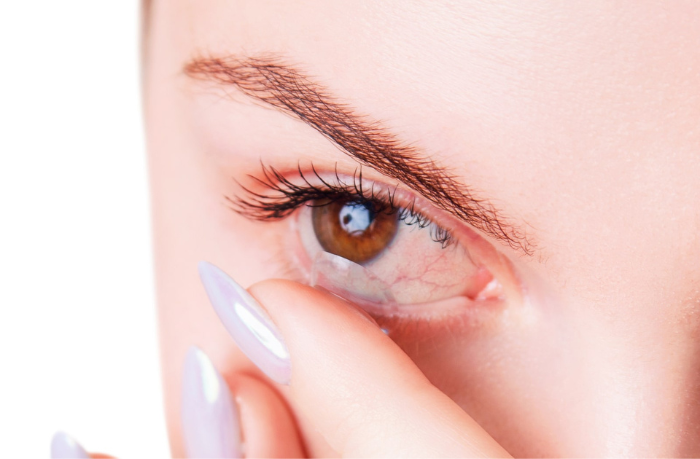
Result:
{"points": [[269, 79]]}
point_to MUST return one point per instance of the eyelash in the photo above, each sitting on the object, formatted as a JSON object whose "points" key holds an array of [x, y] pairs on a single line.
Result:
{"points": [[287, 197]]}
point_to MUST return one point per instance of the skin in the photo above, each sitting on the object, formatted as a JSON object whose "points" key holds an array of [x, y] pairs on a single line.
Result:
{"points": [[579, 120]]}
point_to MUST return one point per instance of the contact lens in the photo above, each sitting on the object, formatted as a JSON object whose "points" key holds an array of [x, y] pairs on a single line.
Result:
{"points": [[350, 281], [359, 285]]}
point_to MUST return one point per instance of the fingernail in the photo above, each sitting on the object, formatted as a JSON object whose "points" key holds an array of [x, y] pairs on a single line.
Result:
{"points": [[247, 322], [64, 447], [209, 416]]}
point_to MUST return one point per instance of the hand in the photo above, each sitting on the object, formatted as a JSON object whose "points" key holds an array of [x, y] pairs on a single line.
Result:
{"points": [[348, 380], [357, 388]]}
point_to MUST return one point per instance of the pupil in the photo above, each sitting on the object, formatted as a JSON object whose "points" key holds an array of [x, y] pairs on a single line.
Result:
{"points": [[356, 217]]}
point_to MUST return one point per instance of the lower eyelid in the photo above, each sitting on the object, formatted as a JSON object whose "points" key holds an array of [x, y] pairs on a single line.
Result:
{"points": [[468, 318]]}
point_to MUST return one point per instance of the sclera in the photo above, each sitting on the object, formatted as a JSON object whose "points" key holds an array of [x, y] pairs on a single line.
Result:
{"points": [[357, 284]]}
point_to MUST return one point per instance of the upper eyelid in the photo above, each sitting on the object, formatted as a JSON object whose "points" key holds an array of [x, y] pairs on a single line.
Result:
{"points": [[345, 185]]}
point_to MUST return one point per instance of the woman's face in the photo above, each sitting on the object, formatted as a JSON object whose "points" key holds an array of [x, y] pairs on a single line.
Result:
{"points": [[557, 145]]}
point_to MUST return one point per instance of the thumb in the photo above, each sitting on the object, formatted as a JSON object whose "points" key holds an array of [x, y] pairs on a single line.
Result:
{"points": [[360, 390]]}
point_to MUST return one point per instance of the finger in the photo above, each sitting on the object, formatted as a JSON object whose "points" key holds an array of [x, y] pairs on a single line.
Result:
{"points": [[358, 389], [242, 417], [267, 426]]}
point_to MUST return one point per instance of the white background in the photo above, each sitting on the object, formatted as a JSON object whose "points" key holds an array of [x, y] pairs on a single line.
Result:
{"points": [[78, 339]]}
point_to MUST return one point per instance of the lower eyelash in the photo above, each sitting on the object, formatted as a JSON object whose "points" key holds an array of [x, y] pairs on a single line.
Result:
{"points": [[287, 196]]}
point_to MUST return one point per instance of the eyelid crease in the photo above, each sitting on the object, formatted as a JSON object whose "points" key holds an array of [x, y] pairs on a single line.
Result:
{"points": [[267, 78], [289, 196]]}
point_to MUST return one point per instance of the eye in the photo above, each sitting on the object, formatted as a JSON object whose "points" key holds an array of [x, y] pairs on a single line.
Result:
{"points": [[373, 244], [404, 259]]}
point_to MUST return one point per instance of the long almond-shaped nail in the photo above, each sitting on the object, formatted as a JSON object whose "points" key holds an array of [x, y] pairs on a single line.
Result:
{"points": [[210, 420], [247, 322], [65, 447]]}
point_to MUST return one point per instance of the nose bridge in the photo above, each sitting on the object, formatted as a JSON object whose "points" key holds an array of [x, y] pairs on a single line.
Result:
{"points": [[647, 393]]}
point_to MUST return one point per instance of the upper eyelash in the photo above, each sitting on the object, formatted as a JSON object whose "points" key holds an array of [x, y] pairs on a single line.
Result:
{"points": [[288, 196]]}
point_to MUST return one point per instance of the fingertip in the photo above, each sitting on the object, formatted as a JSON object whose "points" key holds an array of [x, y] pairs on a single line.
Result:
{"points": [[295, 297]]}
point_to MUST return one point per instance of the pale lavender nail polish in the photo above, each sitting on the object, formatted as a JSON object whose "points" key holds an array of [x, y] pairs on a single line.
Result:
{"points": [[210, 423], [64, 447], [247, 322]]}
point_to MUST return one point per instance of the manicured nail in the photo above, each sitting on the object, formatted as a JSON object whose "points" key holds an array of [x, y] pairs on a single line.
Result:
{"points": [[209, 416], [247, 322], [64, 447]]}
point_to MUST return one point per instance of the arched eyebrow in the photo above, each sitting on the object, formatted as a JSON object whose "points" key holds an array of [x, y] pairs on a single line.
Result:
{"points": [[269, 79]]}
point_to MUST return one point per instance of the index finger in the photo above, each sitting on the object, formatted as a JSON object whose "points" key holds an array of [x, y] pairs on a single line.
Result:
{"points": [[359, 389]]}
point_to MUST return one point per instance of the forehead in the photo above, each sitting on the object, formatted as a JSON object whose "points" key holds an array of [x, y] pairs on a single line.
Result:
{"points": [[514, 78]]}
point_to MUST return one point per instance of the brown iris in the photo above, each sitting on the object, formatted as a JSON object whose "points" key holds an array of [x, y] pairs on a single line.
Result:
{"points": [[353, 230]]}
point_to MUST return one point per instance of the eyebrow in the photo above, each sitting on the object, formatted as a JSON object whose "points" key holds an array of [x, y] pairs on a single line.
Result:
{"points": [[271, 80]]}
